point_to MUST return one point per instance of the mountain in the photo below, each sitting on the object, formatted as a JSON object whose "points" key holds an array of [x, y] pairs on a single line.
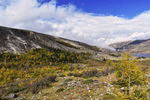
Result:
{"points": [[18, 41], [136, 46]]}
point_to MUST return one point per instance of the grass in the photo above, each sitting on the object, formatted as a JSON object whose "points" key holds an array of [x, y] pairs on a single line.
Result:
{"points": [[15, 90], [66, 44], [114, 55], [111, 97], [88, 81], [68, 80]]}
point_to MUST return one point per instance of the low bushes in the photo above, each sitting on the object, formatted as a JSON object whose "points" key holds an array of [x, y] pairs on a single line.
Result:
{"points": [[85, 74], [88, 81], [107, 71], [75, 74], [60, 90], [90, 73], [68, 80], [45, 82]]}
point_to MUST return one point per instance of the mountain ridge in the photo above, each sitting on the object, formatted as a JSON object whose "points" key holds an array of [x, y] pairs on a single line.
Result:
{"points": [[18, 41], [26, 39], [136, 46]]}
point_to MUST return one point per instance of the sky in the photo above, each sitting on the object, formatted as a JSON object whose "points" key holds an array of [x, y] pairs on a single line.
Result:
{"points": [[96, 22], [122, 8]]}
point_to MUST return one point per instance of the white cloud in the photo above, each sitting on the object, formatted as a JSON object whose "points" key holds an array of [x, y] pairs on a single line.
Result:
{"points": [[69, 22]]}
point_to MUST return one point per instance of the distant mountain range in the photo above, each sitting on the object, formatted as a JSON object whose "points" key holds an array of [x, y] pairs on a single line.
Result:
{"points": [[18, 41], [136, 46]]}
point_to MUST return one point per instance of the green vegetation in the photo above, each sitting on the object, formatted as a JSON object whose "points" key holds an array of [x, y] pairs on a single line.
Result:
{"points": [[68, 80], [40, 57], [66, 44], [15, 90], [130, 77], [128, 68], [67, 75], [114, 55], [88, 81], [34, 70], [60, 90]]}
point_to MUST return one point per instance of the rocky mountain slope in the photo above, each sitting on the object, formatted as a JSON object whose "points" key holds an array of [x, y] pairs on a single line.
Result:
{"points": [[136, 46], [17, 41]]}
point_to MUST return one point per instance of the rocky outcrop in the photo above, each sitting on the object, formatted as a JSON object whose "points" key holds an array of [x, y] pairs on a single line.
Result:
{"points": [[16, 41], [136, 46]]}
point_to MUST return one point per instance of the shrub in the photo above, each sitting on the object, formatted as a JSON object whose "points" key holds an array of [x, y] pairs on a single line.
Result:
{"points": [[107, 71], [37, 85], [8, 76], [14, 90], [51, 78], [88, 81], [90, 73], [136, 94], [140, 94], [60, 90], [2, 92], [76, 74], [111, 97], [65, 68], [68, 80]]}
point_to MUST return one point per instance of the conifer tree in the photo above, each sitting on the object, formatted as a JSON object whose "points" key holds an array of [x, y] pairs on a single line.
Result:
{"points": [[128, 72]]}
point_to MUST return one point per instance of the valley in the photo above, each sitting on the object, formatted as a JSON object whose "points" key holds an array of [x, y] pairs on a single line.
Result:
{"points": [[35, 66]]}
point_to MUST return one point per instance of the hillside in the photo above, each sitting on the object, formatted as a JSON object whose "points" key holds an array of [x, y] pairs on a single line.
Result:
{"points": [[18, 41]]}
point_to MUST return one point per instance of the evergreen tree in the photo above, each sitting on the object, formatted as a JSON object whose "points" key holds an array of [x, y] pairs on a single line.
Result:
{"points": [[128, 72]]}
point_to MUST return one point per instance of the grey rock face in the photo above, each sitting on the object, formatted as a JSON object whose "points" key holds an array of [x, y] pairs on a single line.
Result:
{"points": [[137, 46], [16, 41]]}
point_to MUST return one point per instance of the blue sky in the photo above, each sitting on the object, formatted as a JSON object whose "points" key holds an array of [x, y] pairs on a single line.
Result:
{"points": [[96, 22], [123, 8]]}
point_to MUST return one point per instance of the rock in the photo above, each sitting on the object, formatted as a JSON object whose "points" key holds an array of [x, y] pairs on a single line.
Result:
{"points": [[33, 96], [139, 47], [87, 88], [12, 96], [97, 99], [44, 97], [64, 97], [122, 88], [20, 98], [62, 83], [40, 93], [61, 75]]}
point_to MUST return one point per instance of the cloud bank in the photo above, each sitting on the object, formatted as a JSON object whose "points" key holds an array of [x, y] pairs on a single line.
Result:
{"points": [[69, 22]]}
